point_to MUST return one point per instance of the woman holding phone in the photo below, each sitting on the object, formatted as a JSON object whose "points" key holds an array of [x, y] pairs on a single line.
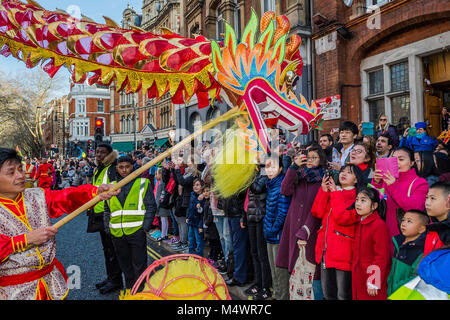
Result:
{"points": [[302, 181], [406, 192]]}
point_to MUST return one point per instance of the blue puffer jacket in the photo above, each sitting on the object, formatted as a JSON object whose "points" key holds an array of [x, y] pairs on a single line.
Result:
{"points": [[427, 143], [194, 214], [277, 206]]}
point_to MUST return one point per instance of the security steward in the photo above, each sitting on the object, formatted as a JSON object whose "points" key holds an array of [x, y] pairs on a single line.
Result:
{"points": [[128, 216], [105, 172]]}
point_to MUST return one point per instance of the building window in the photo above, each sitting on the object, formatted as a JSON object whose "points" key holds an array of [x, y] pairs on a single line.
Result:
{"points": [[376, 82], [268, 5], [376, 108], [122, 124], [377, 3], [80, 105], [399, 77], [100, 106], [237, 20], [400, 106], [219, 24], [149, 118]]}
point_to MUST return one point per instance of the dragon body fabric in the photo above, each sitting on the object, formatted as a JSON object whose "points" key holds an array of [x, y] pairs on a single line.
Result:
{"points": [[251, 74]]}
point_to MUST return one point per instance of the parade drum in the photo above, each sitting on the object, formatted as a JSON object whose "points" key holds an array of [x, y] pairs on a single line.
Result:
{"points": [[29, 183], [180, 277]]}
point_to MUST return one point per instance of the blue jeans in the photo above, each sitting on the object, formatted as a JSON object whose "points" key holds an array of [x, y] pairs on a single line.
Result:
{"points": [[196, 242], [317, 288], [239, 239], [223, 228]]}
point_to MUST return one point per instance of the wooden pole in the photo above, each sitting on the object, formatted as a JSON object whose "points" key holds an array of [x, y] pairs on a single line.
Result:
{"points": [[137, 173]]}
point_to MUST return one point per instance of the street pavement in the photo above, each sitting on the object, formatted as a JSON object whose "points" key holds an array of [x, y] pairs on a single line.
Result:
{"points": [[82, 256]]}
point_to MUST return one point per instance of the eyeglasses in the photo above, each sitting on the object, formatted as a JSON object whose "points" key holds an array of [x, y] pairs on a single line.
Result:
{"points": [[383, 119], [358, 151]]}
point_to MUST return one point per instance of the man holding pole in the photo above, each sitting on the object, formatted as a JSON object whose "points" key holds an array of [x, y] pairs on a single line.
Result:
{"points": [[105, 173], [28, 268]]}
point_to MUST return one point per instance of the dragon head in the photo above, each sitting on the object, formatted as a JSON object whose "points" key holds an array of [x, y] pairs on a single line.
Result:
{"points": [[262, 74]]}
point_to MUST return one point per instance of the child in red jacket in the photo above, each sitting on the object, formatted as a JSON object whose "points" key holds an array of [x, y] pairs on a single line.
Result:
{"points": [[438, 207], [371, 261], [335, 238]]}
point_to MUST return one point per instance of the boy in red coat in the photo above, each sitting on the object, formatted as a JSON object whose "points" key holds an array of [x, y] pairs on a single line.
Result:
{"points": [[371, 261], [437, 205]]}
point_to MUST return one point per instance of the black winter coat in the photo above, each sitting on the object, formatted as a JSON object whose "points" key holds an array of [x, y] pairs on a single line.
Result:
{"points": [[211, 232], [256, 208]]}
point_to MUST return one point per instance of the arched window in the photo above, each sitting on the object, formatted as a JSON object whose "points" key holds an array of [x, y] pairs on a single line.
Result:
{"points": [[149, 118], [196, 120], [219, 24]]}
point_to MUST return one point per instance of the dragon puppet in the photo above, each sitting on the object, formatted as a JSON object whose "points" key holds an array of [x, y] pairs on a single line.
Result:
{"points": [[255, 74]]}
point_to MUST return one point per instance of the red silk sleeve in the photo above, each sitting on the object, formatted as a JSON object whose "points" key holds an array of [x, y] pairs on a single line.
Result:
{"points": [[68, 200], [9, 245]]}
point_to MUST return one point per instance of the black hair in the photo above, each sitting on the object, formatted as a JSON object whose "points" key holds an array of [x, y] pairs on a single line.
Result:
{"points": [[443, 186], [357, 172], [322, 156], [125, 159], [442, 163], [8, 155], [388, 136], [105, 145], [426, 157], [422, 214], [350, 126], [374, 196], [202, 183], [407, 150], [329, 136]]}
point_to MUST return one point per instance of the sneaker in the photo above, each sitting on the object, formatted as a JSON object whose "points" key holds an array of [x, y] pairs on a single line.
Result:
{"points": [[156, 234], [175, 244], [182, 247], [162, 238], [174, 240], [222, 269], [263, 294], [252, 290], [171, 240]]}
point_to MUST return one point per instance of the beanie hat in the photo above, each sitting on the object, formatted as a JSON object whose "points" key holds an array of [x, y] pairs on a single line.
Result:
{"points": [[419, 125]]}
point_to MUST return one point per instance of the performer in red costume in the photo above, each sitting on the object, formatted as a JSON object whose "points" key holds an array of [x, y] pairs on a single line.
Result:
{"points": [[28, 268], [30, 173], [44, 174]]}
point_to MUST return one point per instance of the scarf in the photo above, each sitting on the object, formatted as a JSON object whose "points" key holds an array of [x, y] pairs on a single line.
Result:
{"points": [[311, 174]]}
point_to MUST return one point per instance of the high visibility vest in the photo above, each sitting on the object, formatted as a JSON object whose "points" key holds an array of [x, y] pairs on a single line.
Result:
{"points": [[128, 219], [102, 178]]}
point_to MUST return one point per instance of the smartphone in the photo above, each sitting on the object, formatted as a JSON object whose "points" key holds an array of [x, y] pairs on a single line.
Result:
{"points": [[388, 164], [367, 128]]}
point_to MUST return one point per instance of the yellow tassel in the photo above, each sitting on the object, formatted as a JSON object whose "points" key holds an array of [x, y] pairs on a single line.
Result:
{"points": [[124, 295], [235, 167]]}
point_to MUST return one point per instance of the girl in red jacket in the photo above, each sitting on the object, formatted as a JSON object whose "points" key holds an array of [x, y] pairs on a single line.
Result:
{"points": [[335, 238], [371, 260]]}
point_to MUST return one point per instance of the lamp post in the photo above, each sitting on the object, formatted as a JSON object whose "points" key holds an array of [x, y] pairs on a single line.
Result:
{"points": [[134, 128]]}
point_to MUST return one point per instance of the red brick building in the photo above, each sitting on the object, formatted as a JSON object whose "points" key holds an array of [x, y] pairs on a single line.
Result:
{"points": [[383, 57], [86, 105]]}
